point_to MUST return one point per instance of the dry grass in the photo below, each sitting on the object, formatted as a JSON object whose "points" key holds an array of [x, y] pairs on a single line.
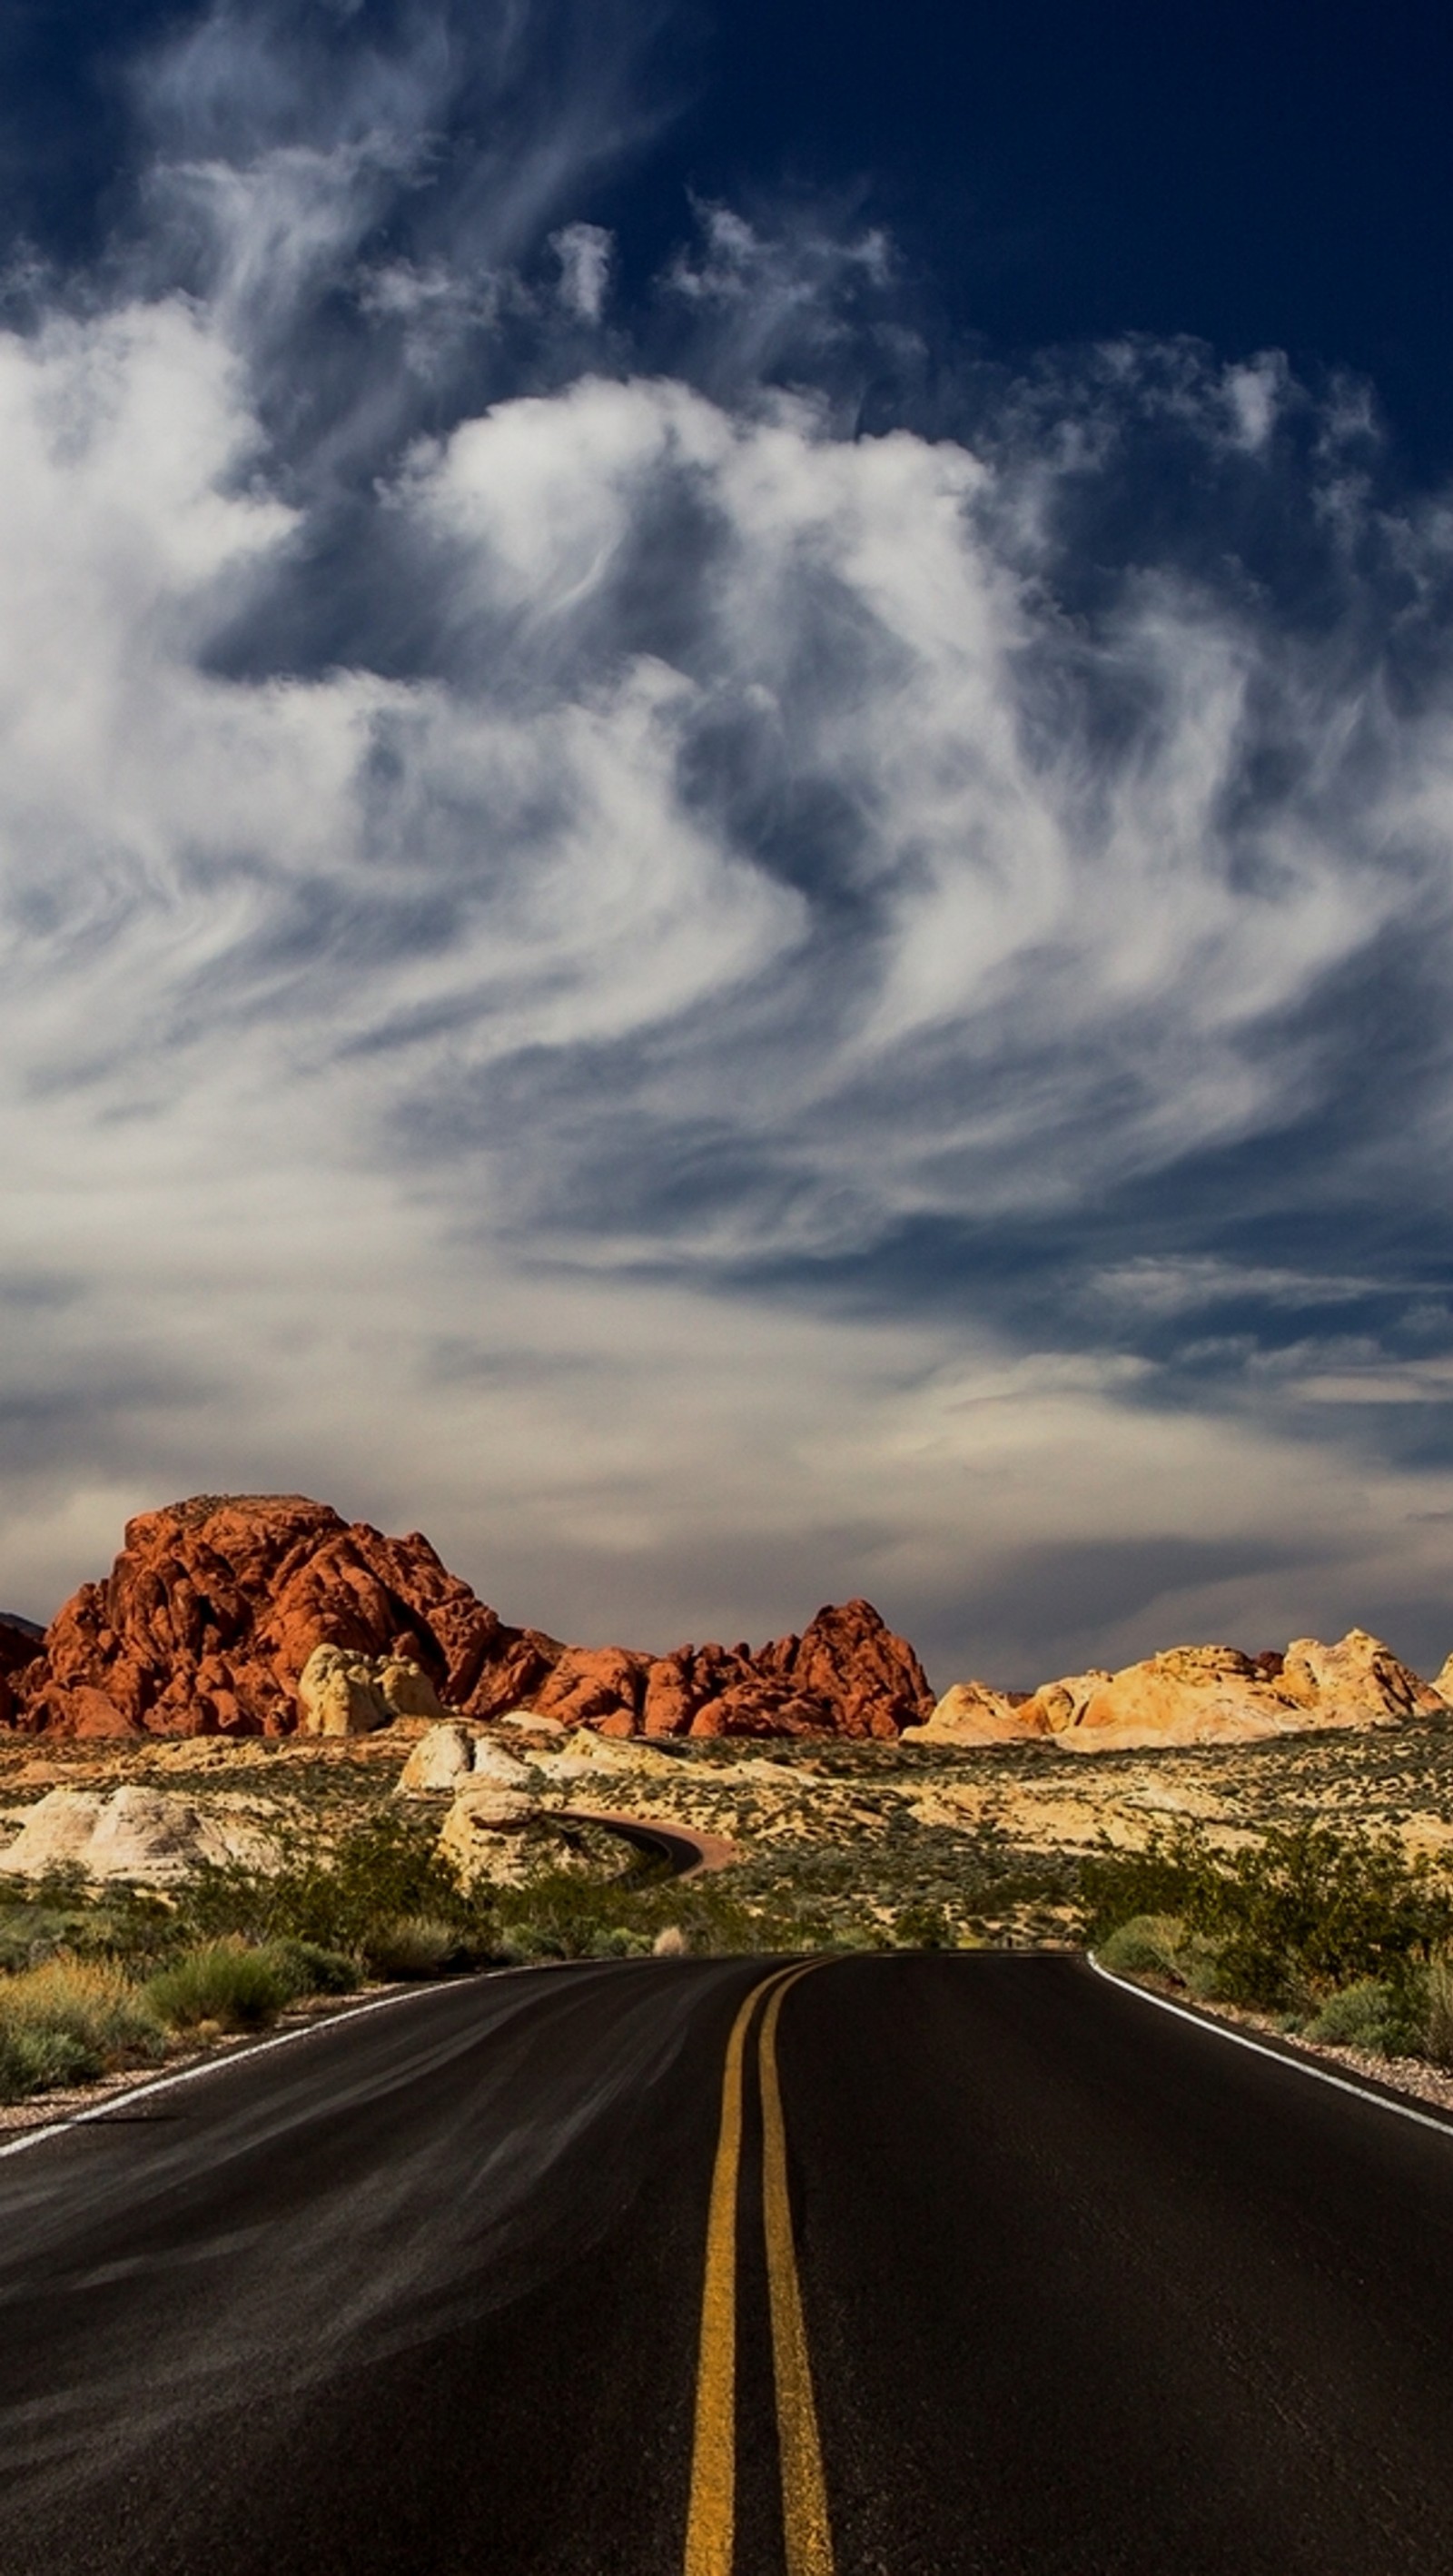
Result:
{"points": [[69, 2021]]}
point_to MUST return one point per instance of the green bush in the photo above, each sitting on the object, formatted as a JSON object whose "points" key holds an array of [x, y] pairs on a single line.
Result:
{"points": [[35, 2060], [1437, 2033], [923, 1926], [227, 1984], [1363, 2015], [1149, 1945], [412, 1945], [1174, 1876], [312, 1970], [383, 1871], [1288, 1921]]}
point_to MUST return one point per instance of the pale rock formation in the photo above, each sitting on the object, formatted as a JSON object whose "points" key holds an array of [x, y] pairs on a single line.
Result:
{"points": [[493, 1762], [151, 1835], [1360, 1678], [56, 1834], [586, 1752], [341, 1692], [972, 1713], [440, 1760], [489, 1833], [1189, 1695], [1197, 1695]]}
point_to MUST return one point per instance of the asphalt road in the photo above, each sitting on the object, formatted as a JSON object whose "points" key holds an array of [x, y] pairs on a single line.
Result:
{"points": [[963, 2264]]}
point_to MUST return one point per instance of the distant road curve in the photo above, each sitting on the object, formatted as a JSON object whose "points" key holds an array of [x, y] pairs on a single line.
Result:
{"points": [[897, 2264], [689, 1852]]}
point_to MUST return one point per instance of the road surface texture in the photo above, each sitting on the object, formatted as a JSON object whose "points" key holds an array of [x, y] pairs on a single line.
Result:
{"points": [[892, 2266]]}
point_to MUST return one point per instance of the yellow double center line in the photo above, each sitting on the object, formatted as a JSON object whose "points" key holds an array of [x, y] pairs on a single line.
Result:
{"points": [[711, 2519]]}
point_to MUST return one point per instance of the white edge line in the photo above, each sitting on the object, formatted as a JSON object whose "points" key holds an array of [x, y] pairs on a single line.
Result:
{"points": [[258, 2048], [1279, 2057]]}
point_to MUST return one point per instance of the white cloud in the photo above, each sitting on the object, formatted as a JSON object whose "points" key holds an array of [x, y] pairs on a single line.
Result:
{"points": [[584, 252], [761, 840]]}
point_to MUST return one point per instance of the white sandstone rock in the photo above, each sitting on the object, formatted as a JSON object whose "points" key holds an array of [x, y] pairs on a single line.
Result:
{"points": [[440, 1760], [487, 1832], [492, 1762], [344, 1693], [152, 1835]]}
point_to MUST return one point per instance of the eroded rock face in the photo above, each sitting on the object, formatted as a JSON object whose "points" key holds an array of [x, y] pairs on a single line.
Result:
{"points": [[214, 1607], [1359, 1674], [149, 1835], [847, 1674], [492, 1832], [450, 1755], [1197, 1695], [248, 1614]]}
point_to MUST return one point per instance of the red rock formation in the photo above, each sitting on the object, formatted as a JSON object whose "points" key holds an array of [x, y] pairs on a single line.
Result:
{"points": [[847, 1674], [214, 1606], [600, 1686]]}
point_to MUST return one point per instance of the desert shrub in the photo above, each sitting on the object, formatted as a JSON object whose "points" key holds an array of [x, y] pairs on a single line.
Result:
{"points": [[1437, 2032], [1149, 1945], [412, 1945], [380, 1872], [557, 1914], [671, 1943], [1172, 1877], [36, 2060], [1289, 1920], [1309, 1911], [226, 1983], [93, 1999], [1363, 2015], [70, 2019], [311, 1970], [619, 1941], [923, 1926]]}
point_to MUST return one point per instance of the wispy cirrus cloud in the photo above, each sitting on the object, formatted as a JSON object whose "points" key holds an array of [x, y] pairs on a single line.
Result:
{"points": [[715, 1003]]}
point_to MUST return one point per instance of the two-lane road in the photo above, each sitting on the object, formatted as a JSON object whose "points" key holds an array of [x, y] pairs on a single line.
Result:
{"points": [[903, 2266]]}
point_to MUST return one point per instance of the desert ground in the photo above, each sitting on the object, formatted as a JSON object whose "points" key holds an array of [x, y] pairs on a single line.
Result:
{"points": [[858, 1840]]}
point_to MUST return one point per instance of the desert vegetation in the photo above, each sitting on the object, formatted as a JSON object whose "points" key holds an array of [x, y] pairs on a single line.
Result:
{"points": [[1339, 1934]]}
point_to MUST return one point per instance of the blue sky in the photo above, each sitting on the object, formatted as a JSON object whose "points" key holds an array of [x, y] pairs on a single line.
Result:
{"points": [[725, 828]]}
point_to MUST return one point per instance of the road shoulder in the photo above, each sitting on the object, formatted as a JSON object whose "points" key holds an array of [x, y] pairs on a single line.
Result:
{"points": [[1400, 2082]]}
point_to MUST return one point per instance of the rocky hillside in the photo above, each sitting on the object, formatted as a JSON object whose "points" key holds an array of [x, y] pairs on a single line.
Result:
{"points": [[215, 1606]]}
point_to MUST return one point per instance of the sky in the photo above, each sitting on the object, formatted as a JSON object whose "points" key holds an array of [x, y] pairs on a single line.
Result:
{"points": [[726, 807]]}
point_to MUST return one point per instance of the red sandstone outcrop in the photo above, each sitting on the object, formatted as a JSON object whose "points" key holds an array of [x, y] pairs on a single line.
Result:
{"points": [[214, 1607], [847, 1674], [1196, 1695], [215, 1616]]}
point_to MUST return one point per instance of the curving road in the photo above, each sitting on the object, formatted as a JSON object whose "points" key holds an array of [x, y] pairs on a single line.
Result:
{"points": [[898, 2266]]}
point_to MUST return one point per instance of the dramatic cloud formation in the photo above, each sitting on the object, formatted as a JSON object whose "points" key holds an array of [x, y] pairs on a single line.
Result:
{"points": [[722, 964]]}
